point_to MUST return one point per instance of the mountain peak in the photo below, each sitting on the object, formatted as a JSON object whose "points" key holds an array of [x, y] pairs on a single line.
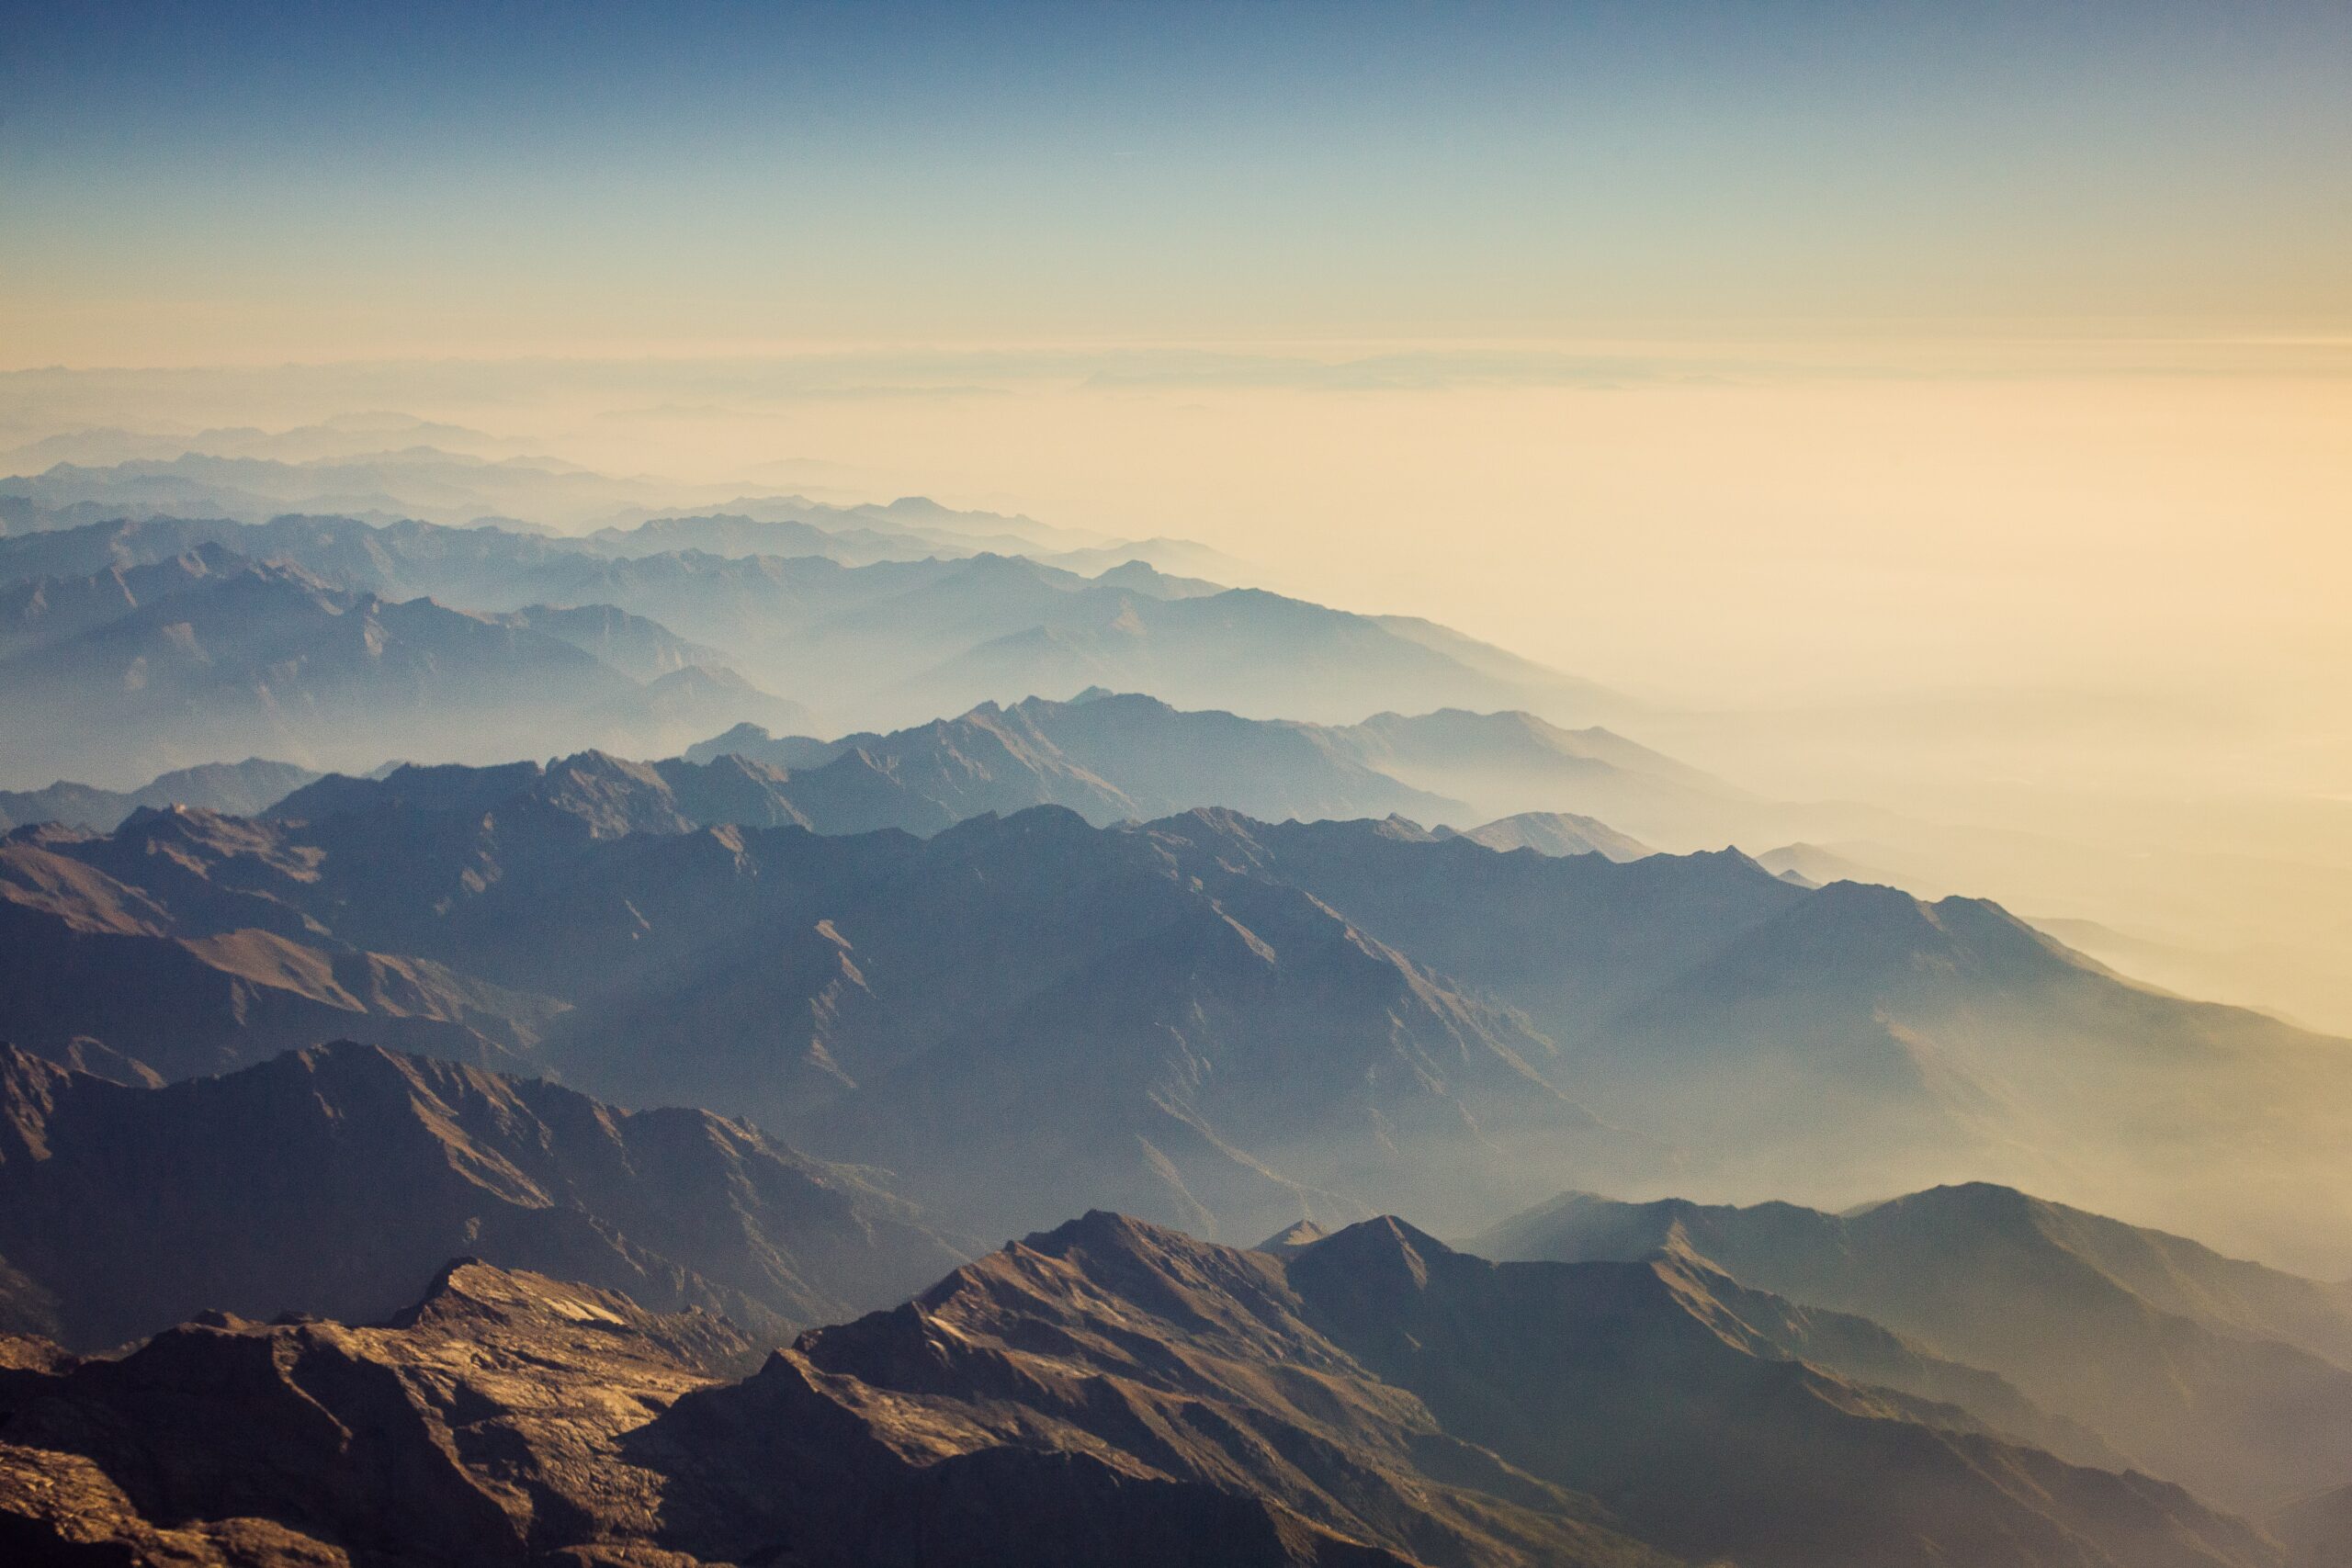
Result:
{"points": [[1101, 1228], [1384, 1249], [1293, 1238], [1972, 1203]]}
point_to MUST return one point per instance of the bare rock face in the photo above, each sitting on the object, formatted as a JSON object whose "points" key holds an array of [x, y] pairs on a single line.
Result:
{"points": [[1108, 1392], [472, 1428], [61, 1508]]}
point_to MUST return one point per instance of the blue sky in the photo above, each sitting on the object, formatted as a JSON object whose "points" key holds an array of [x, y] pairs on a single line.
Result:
{"points": [[177, 175]]}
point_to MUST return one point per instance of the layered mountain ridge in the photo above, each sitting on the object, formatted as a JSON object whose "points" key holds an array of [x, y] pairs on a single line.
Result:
{"points": [[210, 652], [1212, 1021], [891, 640]]}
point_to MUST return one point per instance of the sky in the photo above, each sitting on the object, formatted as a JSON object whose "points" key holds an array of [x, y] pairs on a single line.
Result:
{"points": [[187, 183]]}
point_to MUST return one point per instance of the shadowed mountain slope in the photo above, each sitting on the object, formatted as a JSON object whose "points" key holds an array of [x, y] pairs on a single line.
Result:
{"points": [[643, 650], [2228, 1376], [1025, 1005], [336, 1181], [1243, 1055], [1630, 1380], [228, 972], [1957, 1042]]}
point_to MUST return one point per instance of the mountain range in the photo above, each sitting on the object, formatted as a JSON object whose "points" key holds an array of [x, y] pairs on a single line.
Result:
{"points": [[888, 642], [340, 436], [135, 668], [1106, 1391], [1112, 756], [386, 466], [365, 477], [339, 1179], [1213, 1020], [560, 1114], [389, 468], [1834, 1044]]}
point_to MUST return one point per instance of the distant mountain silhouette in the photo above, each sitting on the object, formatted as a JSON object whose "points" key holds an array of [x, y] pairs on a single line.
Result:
{"points": [[641, 649], [1514, 763], [340, 436], [1104, 1392], [210, 652], [1557, 833], [888, 642], [235, 789], [415, 479], [1156, 760], [390, 467], [2227, 1376], [733, 533], [1109, 757], [337, 1180], [1819, 867]]}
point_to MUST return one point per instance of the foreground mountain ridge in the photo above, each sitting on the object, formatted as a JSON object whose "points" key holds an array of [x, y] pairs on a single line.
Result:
{"points": [[1105, 1391]]}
